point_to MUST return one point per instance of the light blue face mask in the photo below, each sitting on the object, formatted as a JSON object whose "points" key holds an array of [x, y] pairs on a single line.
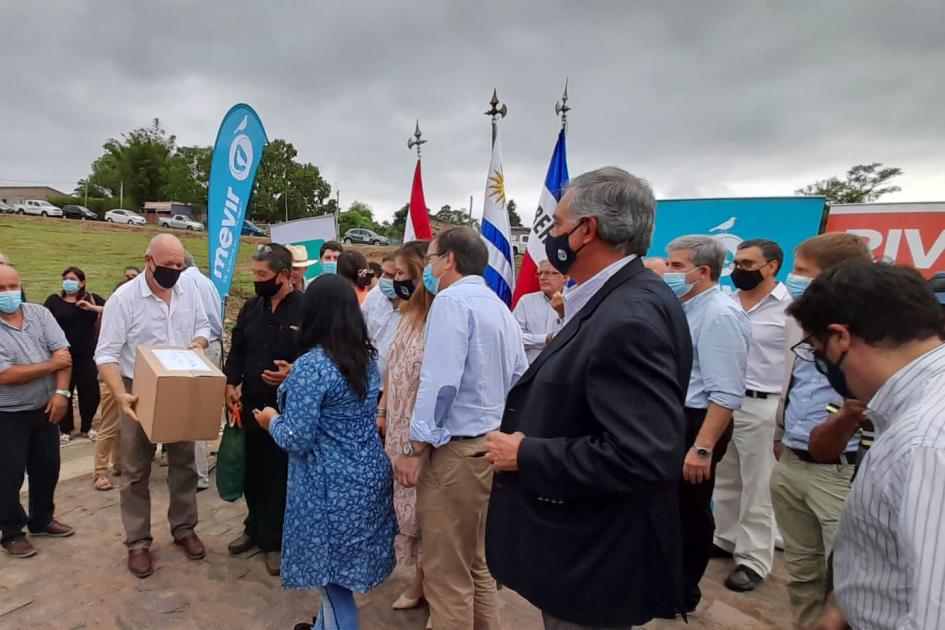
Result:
{"points": [[330, 266], [431, 282], [796, 285], [70, 286], [10, 301], [387, 287], [677, 282]]}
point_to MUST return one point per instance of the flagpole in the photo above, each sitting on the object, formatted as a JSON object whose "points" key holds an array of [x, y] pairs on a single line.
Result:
{"points": [[562, 108], [496, 112], [416, 140]]}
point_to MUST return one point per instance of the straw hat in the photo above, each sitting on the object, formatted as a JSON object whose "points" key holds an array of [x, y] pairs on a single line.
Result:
{"points": [[300, 256]]}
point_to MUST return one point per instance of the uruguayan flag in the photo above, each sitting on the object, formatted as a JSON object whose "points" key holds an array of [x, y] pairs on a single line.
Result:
{"points": [[500, 272]]}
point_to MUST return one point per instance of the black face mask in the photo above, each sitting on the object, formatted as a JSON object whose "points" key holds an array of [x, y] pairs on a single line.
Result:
{"points": [[404, 288], [166, 276], [745, 280], [835, 376], [267, 288], [559, 252]]}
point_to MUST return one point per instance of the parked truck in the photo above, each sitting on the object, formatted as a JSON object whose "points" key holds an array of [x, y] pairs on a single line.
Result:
{"points": [[37, 207], [180, 222]]}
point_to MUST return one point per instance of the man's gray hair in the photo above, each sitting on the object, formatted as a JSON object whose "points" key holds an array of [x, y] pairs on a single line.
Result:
{"points": [[623, 205], [189, 260], [705, 251]]}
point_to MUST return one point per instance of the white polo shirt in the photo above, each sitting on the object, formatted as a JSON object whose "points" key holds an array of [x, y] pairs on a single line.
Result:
{"points": [[765, 371]]}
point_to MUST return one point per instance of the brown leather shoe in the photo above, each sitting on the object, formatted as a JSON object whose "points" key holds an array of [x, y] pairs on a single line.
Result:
{"points": [[20, 548], [241, 545], [273, 562], [192, 546], [139, 562], [56, 530]]}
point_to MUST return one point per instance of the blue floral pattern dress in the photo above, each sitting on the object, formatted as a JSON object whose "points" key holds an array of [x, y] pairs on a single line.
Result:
{"points": [[339, 518]]}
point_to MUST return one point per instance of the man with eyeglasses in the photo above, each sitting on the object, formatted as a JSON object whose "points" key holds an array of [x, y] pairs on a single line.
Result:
{"points": [[744, 518], [807, 495], [541, 314]]}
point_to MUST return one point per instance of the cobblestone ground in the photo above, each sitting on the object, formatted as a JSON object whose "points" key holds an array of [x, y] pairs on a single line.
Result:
{"points": [[82, 582]]}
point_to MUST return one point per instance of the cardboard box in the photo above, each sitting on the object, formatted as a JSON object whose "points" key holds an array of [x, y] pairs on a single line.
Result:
{"points": [[180, 394]]}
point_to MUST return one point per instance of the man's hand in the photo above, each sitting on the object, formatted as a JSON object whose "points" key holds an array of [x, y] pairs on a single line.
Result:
{"points": [[695, 469], [264, 417], [778, 450], [60, 359], [502, 450], [232, 396], [557, 303], [831, 618], [195, 345], [407, 471], [57, 407], [274, 378], [127, 404]]}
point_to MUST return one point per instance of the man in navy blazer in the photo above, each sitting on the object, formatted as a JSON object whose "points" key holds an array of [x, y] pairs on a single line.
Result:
{"points": [[584, 516]]}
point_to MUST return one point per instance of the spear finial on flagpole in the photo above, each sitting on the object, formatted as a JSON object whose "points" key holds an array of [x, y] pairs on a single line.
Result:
{"points": [[562, 108], [416, 140], [496, 112]]}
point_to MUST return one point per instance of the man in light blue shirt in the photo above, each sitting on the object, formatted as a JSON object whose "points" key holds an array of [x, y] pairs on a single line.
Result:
{"points": [[721, 336], [474, 354]]}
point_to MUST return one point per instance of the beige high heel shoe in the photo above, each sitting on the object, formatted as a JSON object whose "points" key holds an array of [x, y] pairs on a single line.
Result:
{"points": [[405, 602]]}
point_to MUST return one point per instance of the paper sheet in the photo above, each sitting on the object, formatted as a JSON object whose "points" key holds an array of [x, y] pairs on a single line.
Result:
{"points": [[186, 360]]}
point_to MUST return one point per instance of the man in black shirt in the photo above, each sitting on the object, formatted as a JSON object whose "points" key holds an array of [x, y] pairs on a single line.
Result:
{"points": [[264, 343]]}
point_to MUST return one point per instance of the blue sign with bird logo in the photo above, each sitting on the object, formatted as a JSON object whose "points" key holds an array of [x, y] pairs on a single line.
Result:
{"points": [[787, 221]]}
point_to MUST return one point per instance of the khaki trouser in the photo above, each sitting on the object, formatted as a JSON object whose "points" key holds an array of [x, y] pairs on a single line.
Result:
{"points": [[107, 444], [808, 500], [744, 518], [137, 453], [452, 500]]}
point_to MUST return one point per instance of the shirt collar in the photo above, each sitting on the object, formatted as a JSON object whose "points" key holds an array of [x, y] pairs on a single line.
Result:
{"points": [[576, 297], [144, 289], [700, 299], [904, 387], [467, 280]]}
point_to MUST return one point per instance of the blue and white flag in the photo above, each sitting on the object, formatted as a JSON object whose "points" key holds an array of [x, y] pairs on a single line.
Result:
{"points": [[555, 182], [500, 272], [236, 157]]}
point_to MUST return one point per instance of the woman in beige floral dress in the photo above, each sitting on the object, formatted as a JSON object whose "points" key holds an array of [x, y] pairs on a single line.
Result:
{"points": [[400, 394]]}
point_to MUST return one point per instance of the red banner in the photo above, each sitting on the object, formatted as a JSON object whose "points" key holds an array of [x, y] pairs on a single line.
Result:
{"points": [[905, 233]]}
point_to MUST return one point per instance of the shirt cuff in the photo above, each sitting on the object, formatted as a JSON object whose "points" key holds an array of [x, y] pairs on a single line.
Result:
{"points": [[724, 399], [435, 436]]}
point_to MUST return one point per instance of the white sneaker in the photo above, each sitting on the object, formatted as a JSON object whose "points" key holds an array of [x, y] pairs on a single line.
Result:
{"points": [[92, 434], [63, 439]]}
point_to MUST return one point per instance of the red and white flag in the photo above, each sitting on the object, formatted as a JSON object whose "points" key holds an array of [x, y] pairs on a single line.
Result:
{"points": [[418, 221]]}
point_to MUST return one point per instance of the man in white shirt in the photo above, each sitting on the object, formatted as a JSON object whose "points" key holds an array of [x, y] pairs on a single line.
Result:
{"points": [[213, 304], [154, 308], [876, 334], [381, 311], [540, 314], [744, 517], [474, 354]]}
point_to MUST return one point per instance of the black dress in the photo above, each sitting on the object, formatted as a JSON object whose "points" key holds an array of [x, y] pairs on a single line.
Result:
{"points": [[81, 328]]}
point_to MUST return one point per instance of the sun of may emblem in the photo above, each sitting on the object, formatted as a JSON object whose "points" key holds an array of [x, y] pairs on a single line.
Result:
{"points": [[497, 187]]}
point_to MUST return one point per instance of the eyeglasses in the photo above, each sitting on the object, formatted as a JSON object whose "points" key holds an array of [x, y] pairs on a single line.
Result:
{"points": [[551, 274], [749, 265], [804, 350], [429, 257], [263, 249]]}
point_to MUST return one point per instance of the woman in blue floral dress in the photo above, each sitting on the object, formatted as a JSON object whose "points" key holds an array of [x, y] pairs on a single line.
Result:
{"points": [[339, 519]]}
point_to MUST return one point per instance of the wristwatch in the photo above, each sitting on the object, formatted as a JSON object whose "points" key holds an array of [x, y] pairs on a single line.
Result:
{"points": [[409, 451], [65, 393], [702, 452]]}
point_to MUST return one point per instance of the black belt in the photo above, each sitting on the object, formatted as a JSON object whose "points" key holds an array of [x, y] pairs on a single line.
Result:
{"points": [[466, 437], [750, 393], [805, 456]]}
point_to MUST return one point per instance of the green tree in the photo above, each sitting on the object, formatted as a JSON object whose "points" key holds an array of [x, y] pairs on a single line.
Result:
{"points": [[187, 176], [358, 215], [283, 182], [514, 219], [863, 183]]}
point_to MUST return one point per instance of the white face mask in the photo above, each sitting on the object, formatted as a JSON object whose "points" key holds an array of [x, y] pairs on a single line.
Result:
{"points": [[796, 285]]}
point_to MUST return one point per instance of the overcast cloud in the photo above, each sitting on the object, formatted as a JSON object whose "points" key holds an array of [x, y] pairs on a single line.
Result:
{"points": [[701, 98]]}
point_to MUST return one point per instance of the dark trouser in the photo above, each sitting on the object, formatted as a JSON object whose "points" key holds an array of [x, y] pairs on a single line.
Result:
{"points": [[29, 443], [267, 474], [553, 623], [695, 510], [85, 382]]}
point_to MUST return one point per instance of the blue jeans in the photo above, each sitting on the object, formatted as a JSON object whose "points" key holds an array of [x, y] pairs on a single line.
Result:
{"points": [[337, 610]]}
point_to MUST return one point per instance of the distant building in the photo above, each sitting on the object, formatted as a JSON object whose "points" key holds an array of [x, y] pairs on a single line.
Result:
{"points": [[154, 209], [15, 194]]}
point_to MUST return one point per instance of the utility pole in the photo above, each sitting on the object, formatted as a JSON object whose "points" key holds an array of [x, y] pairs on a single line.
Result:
{"points": [[86, 192], [286, 195], [121, 195], [470, 209]]}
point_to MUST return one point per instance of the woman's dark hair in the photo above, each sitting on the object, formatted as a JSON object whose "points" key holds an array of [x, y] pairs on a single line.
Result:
{"points": [[78, 274], [331, 318], [353, 267]]}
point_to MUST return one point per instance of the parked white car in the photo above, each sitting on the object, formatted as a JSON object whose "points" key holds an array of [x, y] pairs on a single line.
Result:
{"points": [[120, 215], [180, 222], [38, 207], [7, 208]]}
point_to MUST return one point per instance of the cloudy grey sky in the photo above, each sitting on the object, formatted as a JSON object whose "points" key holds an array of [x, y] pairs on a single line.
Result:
{"points": [[702, 98]]}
